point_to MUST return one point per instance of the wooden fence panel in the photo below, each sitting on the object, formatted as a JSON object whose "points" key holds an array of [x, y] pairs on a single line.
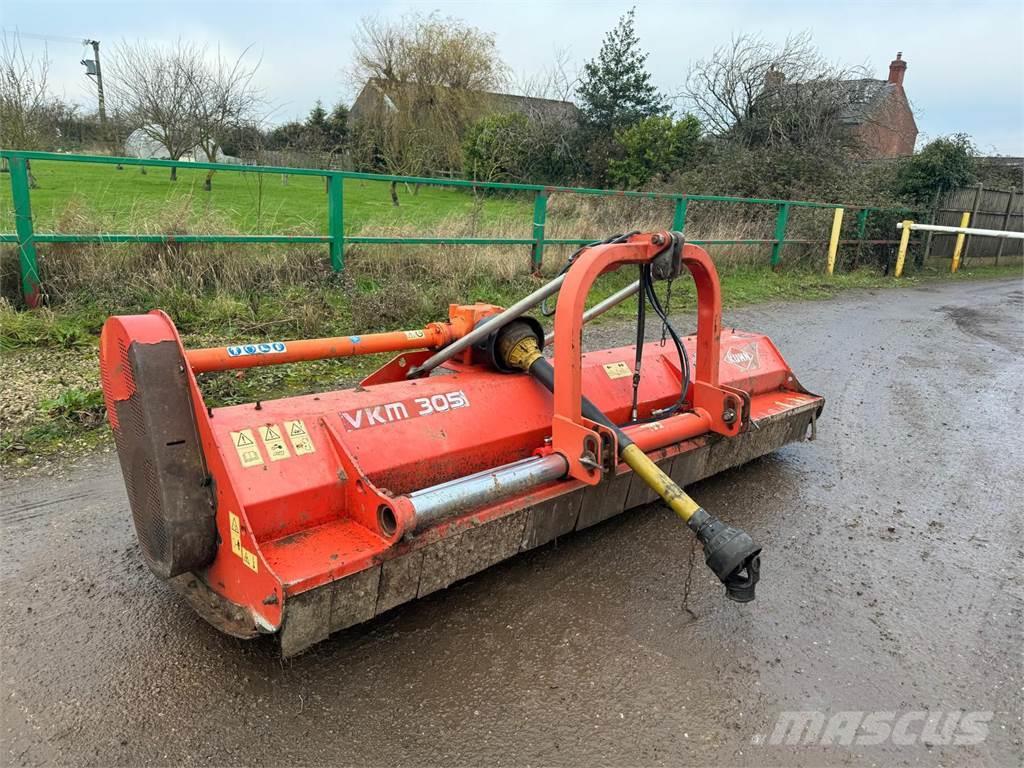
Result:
{"points": [[1001, 209]]}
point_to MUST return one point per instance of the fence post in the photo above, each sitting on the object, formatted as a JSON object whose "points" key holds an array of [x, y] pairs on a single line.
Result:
{"points": [[833, 243], [336, 220], [919, 262], [974, 216], [23, 226], [540, 215], [780, 234], [901, 255], [679, 218], [965, 220], [1006, 223]]}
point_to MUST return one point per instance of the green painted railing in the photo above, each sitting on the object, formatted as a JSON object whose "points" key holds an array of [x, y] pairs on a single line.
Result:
{"points": [[26, 238]]}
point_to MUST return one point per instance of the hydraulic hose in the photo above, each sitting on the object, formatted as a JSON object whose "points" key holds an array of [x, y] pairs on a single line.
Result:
{"points": [[684, 358]]}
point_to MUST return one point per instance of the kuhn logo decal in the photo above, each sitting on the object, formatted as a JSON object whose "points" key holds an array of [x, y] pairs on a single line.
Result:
{"points": [[745, 358], [387, 413]]}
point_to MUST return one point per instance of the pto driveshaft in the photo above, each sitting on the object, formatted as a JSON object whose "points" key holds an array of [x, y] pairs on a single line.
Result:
{"points": [[729, 552]]}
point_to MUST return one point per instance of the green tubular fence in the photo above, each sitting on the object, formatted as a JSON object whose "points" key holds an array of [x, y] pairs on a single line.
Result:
{"points": [[26, 238]]}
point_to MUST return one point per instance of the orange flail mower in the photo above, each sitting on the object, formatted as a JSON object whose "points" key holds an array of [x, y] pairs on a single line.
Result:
{"points": [[305, 515]]}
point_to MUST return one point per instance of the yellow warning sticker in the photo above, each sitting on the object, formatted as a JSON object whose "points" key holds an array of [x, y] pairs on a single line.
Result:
{"points": [[248, 557], [236, 534], [617, 370], [415, 335], [245, 445], [299, 437], [273, 441]]}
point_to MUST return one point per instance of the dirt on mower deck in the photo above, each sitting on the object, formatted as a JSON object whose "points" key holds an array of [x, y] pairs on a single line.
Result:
{"points": [[892, 582]]}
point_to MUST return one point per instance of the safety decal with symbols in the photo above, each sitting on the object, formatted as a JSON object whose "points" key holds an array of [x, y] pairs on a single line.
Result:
{"points": [[273, 441], [415, 335], [617, 370], [245, 446], [248, 557], [299, 437], [265, 348]]}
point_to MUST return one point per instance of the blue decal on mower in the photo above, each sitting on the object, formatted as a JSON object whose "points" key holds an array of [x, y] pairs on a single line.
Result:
{"points": [[257, 349]]}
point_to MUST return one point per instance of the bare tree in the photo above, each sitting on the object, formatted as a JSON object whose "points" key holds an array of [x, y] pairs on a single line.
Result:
{"points": [[224, 99], [379, 52], [427, 78], [553, 82], [27, 110], [155, 86], [554, 138], [756, 92]]}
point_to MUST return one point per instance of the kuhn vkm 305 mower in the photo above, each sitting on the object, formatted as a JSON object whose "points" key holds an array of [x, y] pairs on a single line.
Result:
{"points": [[306, 515]]}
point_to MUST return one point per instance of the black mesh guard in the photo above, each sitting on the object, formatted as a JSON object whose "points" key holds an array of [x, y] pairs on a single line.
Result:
{"points": [[162, 463]]}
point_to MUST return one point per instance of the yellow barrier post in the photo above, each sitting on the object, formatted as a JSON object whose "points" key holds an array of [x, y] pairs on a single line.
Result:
{"points": [[833, 243], [901, 255], [958, 248]]}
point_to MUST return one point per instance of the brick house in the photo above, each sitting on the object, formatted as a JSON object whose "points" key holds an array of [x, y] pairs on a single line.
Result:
{"points": [[876, 113], [879, 114]]}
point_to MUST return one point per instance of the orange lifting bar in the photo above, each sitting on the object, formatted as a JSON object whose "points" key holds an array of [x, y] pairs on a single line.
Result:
{"points": [[461, 320]]}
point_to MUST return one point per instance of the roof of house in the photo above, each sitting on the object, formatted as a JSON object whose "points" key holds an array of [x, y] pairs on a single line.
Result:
{"points": [[861, 98], [508, 102], [534, 105]]}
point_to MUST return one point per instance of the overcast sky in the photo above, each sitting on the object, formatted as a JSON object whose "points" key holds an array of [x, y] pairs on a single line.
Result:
{"points": [[965, 59]]}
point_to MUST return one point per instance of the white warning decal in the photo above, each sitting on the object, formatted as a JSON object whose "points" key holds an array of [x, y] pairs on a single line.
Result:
{"points": [[245, 446], [274, 442], [266, 348], [299, 437]]}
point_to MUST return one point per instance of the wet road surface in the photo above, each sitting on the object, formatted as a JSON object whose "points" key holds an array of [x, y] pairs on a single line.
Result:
{"points": [[892, 581]]}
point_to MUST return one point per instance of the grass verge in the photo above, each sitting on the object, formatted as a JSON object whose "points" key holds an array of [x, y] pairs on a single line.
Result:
{"points": [[51, 405]]}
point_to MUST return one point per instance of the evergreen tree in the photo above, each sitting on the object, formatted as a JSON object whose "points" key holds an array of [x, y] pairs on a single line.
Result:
{"points": [[337, 125], [317, 119], [616, 90]]}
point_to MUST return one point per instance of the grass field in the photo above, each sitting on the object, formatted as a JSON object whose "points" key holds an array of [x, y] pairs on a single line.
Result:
{"points": [[126, 201]]}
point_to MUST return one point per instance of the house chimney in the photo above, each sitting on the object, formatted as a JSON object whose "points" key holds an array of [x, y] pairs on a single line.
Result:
{"points": [[897, 69], [773, 78]]}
